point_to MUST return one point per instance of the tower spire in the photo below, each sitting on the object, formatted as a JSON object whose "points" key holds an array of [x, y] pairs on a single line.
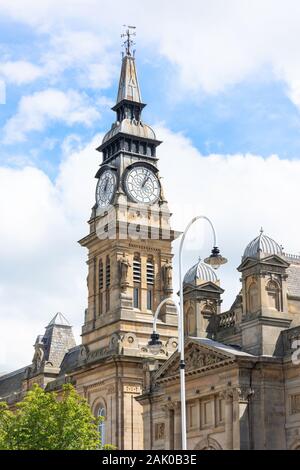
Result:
{"points": [[129, 89]]}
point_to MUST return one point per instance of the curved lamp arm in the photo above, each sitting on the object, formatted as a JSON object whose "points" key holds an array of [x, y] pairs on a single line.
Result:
{"points": [[155, 317]]}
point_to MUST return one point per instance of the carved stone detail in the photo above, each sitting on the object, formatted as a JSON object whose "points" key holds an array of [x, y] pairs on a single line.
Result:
{"points": [[124, 265], [167, 275], [241, 394]]}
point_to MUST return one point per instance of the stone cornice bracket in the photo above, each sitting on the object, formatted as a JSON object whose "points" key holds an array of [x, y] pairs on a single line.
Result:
{"points": [[240, 394], [171, 405]]}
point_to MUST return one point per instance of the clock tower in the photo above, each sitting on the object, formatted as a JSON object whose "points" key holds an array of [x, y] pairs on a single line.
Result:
{"points": [[129, 269]]}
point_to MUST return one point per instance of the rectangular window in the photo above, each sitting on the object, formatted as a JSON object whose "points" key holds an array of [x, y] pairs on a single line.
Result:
{"points": [[135, 146], [295, 404], [107, 299], [206, 413], [107, 283], [142, 148], [149, 299], [220, 410], [192, 415], [100, 303], [127, 145], [100, 274], [136, 297], [107, 272]]}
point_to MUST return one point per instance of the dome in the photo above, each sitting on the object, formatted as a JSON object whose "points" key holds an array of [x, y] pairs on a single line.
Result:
{"points": [[262, 246], [200, 272], [128, 126]]}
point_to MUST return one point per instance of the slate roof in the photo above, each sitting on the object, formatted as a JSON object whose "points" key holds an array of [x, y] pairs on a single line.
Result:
{"points": [[200, 272], [59, 319], [12, 382], [70, 360], [262, 245], [224, 348], [294, 280]]}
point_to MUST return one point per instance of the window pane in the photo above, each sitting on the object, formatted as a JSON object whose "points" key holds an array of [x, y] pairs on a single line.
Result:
{"points": [[136, 294], [149, 299], [101, 426]]}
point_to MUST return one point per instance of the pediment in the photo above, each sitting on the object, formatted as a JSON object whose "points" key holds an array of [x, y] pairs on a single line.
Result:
{"points": [[206, 287], [271, 260], [197, 357], [275, 260]]}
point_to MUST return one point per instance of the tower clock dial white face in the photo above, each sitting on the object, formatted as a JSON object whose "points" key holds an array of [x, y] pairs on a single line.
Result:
{"points": [[142, 185], [105, 188]]}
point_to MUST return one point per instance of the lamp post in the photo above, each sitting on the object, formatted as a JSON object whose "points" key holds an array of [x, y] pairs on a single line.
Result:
{"points": [[215, 260], [155, 345]]}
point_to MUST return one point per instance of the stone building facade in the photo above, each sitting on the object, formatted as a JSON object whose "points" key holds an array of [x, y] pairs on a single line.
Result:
{"points": [[242, 374]]}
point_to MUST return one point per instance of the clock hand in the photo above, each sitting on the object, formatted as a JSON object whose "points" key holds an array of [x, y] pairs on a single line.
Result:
{"points": [[145, 180], [105, 187]]}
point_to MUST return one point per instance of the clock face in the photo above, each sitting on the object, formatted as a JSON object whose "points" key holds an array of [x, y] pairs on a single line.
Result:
{"points": [[105, 188], [142, 185]]}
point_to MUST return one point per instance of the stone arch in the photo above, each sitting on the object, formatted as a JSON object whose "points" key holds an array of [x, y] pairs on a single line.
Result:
{"points": [[252, 296], [273, 291], [97, 403], [295, 445], [208, 443], [191, 321]]}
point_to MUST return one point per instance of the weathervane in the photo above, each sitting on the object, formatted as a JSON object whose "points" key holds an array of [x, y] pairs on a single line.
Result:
{"points": [[128, 34]]}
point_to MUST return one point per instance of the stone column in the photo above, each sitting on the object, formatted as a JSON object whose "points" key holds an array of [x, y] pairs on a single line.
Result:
{"points": [[236, 417], [227, 396], [177, 426], [170, 410]]}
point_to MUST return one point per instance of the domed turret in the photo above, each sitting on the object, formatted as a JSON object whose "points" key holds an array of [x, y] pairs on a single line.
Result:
{"points": [[200, 273], [131, 127], [262, 246]]}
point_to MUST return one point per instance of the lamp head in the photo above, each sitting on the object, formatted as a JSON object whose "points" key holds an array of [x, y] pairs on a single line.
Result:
{"points": [[154, 344], [215, 260]]}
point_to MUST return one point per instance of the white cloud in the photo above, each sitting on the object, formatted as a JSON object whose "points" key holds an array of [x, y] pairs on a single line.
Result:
{"points": [[84, 52], [213, 45], [37, 110], [43, 268], [240, 193], [20, 72]]}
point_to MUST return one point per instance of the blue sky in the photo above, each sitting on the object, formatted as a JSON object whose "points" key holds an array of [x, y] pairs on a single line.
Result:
{"points": [[254, 116], [222, 84]]}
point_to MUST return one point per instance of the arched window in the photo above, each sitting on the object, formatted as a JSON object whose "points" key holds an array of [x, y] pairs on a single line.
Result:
{"points": [[102, 424], [273, 295], [253, 297]]}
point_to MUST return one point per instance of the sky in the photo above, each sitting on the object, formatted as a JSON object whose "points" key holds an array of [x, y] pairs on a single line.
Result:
{"points": [[222, 84]]}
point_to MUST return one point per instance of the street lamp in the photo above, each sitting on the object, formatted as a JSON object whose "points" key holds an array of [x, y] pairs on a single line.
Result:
{"points": [[155, 347], [215, 260]]}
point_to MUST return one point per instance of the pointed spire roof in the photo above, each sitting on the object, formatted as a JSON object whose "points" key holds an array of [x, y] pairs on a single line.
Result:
{"points": [[59, 320], [129, 89]]}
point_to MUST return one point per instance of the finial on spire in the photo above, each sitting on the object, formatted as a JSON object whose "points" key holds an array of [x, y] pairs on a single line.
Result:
{"points": [[128, 43], [261, 230]]}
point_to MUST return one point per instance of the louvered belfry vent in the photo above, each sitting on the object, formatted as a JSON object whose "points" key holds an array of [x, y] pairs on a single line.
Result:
{"points": [[107, 274], [100, 274], [150, 273], [137, 270]]}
